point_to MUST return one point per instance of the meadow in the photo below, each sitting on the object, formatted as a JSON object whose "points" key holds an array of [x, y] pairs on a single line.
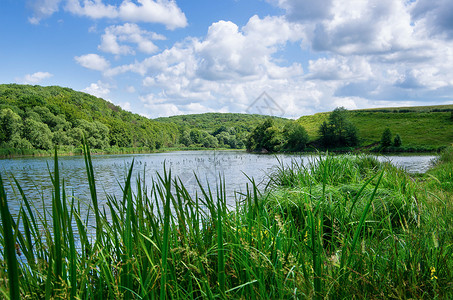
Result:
{"points": [[341, 227], [421, 128]]}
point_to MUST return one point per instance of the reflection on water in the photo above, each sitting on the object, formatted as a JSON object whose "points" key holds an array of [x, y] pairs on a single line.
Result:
{"points": [[110, 171]]}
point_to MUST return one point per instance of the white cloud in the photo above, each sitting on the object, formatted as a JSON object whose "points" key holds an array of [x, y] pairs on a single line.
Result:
{"points": [[98, 89], [36, 77], [94, 9], [359, 54], [164, 12], [436, 15], [93, 62], [340, 68], [128, 33], [42, 9]]}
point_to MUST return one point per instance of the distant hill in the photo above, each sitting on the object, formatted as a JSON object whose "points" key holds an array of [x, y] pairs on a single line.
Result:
{"points": [[38, 117], [212, 121], [425, 126], [230, 130]]}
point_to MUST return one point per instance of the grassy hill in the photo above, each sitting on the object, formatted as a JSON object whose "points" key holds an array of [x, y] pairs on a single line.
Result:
{"points": [[423, 126]]}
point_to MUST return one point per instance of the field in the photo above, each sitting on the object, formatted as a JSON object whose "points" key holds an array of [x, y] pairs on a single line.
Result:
{"points": [[342, 227], [428, 126]]}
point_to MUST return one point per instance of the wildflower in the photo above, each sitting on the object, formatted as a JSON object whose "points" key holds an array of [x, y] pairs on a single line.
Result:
{"points": [[433, 273]]}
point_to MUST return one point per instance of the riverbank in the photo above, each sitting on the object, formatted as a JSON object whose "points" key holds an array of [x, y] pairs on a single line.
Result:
{"points": [[70, 151], [343, 226], [66, 151]]}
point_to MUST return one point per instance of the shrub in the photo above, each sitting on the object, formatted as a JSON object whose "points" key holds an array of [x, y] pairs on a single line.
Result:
{"points": [[397, 141], [386, 139]]}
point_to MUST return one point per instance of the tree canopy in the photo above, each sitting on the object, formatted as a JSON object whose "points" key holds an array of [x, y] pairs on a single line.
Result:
{"points": [[338, 131], [41, 117]]}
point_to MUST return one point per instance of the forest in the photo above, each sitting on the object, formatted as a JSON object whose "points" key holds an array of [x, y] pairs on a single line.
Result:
{"points": [[35, 119], [39, 118]]}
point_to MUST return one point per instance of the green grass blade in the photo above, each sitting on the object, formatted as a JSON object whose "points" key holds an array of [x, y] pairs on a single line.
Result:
{"points": [[10, 245]]}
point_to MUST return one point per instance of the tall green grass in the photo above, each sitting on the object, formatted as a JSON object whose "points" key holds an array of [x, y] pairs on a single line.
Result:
{"points": [[339, 227]]}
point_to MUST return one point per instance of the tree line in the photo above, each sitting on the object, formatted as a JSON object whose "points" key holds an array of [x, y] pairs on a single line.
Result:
{"points": [[337, 132], [35, 117]]}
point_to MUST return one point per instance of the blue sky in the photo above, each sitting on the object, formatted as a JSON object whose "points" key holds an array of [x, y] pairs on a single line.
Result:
{"points": [[163, 57]]}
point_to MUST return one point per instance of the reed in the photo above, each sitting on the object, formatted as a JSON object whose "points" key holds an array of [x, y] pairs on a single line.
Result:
{"points": [[337, 227]]}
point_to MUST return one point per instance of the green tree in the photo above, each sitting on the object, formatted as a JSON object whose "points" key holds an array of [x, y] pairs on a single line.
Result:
{"points": [[295, 137], [96, 133], [386, 139], [17, 142], [38, 134], [265, 137], [338, 131], [11, 123], [397, 142]]}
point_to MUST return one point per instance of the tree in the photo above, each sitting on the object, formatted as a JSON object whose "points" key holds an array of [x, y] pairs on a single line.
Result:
{"points": [[338, 131], [295, 136], [386, 139], [397, 142], [96, 133], [38, 134], [10, 124], [265, 137]]}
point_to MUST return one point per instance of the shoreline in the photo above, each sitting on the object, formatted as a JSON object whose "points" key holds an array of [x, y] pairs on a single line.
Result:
{"points": [[119, 151]]}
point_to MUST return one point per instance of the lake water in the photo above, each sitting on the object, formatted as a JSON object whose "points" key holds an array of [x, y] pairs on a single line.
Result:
{"points": [[110, 171]]}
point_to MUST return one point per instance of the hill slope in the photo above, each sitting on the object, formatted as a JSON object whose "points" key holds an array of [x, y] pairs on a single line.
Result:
{"points": [[229, 130], [425, 126], [56, 115]]}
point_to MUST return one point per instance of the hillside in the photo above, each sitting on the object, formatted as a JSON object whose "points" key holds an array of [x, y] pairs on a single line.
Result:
{"points": [[35, 117], [225, 130], [422, 126], [212, 121]]}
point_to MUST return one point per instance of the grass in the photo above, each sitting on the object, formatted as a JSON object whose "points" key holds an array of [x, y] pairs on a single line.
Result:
{"points": [[424, 128], [342, 227]]}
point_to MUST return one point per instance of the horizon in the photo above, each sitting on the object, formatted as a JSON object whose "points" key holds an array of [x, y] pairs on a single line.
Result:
{"points": [[161, 58]]}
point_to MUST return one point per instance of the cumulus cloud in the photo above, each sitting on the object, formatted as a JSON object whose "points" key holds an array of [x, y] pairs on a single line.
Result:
{"points": [[93, 62], [164, 12], [128, 33], [42, 9], [340, 68], [36, 77], [98, 89], [436, 15], [357, 54], [160, 11]]}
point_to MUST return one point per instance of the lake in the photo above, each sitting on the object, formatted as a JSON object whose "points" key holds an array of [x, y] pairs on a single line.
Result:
{"points": [[110, 171]]}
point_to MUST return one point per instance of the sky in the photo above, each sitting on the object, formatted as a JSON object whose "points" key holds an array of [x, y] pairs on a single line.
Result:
{"points": [[288, 58]]}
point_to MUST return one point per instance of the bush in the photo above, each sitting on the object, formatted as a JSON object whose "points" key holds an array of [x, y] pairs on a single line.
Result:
{"points": [[397, 141], [386, 139]]}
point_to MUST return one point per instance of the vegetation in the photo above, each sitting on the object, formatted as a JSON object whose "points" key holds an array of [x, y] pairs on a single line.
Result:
{"points": [[386, 139], [339, 227], [338, 131], [37, 118], [34, 119], [269, 137], [224, 130], [425, 128]]}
